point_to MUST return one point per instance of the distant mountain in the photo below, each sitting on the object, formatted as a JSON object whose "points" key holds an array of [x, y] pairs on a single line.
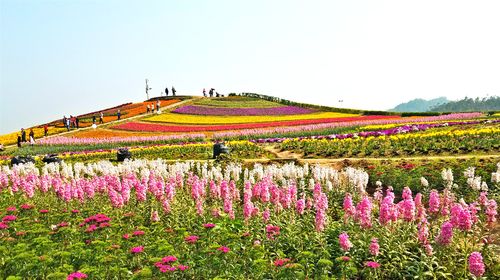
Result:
{"points": [[419, 105], [470, 105]]}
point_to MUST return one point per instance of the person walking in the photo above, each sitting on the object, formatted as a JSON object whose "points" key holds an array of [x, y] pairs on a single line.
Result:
{"points": [[46, 130], [101, 118], [67, 123], [204, 93], [173, 91], [118, 114], [23, 135], [166, 91], [19, 141]]}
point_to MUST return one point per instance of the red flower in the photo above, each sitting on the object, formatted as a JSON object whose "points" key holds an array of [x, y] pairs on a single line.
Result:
{"points": [[224, 249], [280, 262], [191, 239]]}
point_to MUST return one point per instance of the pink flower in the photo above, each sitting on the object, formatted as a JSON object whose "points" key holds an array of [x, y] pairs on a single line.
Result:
{"points": [[345, 258], [9, 218], [491, 212], [476, 265], [423, 232], [44, 211], [372, 264], [265, 215], [344, 242], [363, 212], [272, 231], [169, 259], [136, 250], [280, 262], [75, 211], [11, 209], [446, 234], [434, 202], [182, 267], [224, 249], [191, 239], [300, 206], [26, 206], [374, 247], [461, 217], [209, 225], [76, 275], [126, 236], [138, 233], [3, 225]]}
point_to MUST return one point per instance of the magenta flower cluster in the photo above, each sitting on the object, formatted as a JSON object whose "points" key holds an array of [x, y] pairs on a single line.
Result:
{"points": [[219, 111]]}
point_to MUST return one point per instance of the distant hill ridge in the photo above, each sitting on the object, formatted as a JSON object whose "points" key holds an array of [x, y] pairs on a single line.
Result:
{"points": [[470, 105], [419, 105]]}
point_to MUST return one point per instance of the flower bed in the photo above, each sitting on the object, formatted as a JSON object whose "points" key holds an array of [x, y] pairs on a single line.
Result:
{"points": [[138, 126], [61, 140], [149, 219], [215, 111], [214, 120]]}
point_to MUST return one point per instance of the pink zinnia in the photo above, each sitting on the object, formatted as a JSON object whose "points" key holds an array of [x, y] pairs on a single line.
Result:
{"points": [[345, 244], [223, 249], [3, 225], [191, 239], [126, 236], [182, 267], [11, 209], [476, 265], [76, 275], [9, 218], [446, 234], [372, 264], [138, 233], [374, 247], [44, 211], [169, 259], [280, 262], [26, 206], [75, 211], [209, 225], [136, 250]]}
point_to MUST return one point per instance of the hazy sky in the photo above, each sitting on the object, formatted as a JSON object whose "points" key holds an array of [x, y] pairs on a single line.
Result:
{"points": [[70, 57]]}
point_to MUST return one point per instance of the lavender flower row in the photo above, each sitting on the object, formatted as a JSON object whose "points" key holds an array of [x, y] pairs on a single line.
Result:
{"points": [[214, 111]]}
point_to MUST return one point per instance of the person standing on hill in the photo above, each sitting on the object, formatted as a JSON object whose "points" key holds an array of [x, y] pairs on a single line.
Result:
{"points": [[19, 141], [157, 105], [204, 93], [45, 130], [118, 114], [23, 135], [101, 118], [166, 91], [93, 119], [173, 91], [32, 134], [147, 108], [77, 121]]}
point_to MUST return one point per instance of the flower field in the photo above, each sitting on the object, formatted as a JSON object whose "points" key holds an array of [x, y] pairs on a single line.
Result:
{"points": [[269, 111], [433, 142], [242, 119], [149, 219]]}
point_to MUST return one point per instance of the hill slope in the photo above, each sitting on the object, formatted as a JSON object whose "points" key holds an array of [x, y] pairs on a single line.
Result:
{"points": [[419, 105]]}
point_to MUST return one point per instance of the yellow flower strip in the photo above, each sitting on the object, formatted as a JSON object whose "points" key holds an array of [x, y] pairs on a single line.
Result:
{"points": [[11, 138], [197, 119]]}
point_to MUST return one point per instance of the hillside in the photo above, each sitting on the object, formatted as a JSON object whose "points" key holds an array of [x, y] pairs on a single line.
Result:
{"points": [[419, 105], [470, 105]]}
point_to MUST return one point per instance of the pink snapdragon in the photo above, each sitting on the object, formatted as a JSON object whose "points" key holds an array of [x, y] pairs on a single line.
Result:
{"points": [[348, 207], [344, 242], [434, 202], [374, 247], [476, 265], [446, 234], [491, 212]]}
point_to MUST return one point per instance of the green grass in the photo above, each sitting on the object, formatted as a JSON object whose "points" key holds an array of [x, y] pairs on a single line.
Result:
{"points": [[236, 102]]}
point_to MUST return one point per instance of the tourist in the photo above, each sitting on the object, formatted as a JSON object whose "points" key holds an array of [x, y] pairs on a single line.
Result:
{"points": [[147, 109], [93, 119], [173, 91], [32, 139], [46, 130], [64, 120], [211, 92], [157, 106], [101, 118], [67, 123], [77, 122], [23, 135], [19, 141], [166, 91], [32, 134], [118, 114], [204, 93]]}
